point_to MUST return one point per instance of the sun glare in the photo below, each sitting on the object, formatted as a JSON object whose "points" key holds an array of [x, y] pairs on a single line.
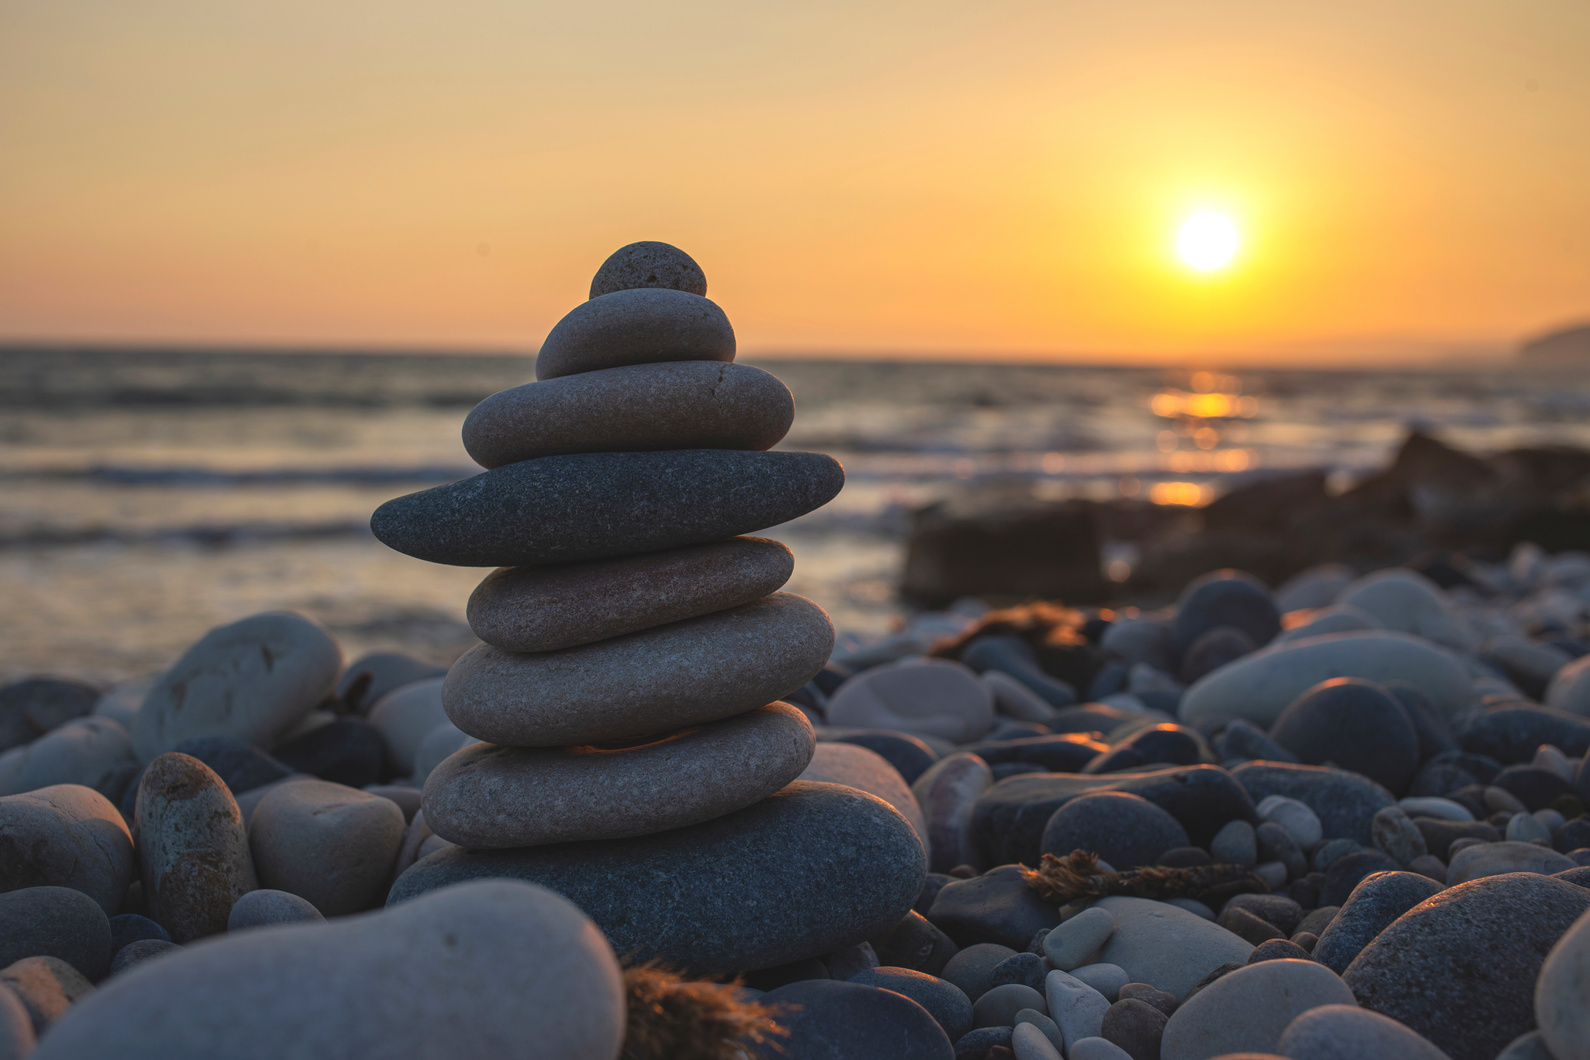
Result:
{"points": [[1207, 241]]}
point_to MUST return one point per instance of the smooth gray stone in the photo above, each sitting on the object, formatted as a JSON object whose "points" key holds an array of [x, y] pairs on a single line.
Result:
{"points": [[1347, 1032], [1165, 946], [265, 908], [1496, 859], [372, 676], [492, 796], [648, 263], [945, 1002], [866, 770], [493, 969], [31, 708], [66, 835], [1460, 968], [637, 326], [1562, 994], [55, 922], [563, 509], [193, 854], [831, 1020], [810, 870], [1373, 905], [690, 672], [406, 716], [254, 679], [551, 608], [329, 843], [138, 951], [637, 408], [88, 751], [1248, 1010]]}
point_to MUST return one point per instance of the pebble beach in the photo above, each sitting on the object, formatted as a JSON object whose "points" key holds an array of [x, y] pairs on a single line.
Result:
{"points": [[1252, 790]]}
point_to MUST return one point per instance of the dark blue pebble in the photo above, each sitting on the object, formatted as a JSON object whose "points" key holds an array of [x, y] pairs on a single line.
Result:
{"points": [[240, 765], [1024, 969], [1536, 788], [1125, 830], [1439, 834], [1161, 745], [1511, 734], [997, 906], [1225, 598], [1345, 803], [1056, 754], [1434, 731], [1354, 724], [1371, 906], [945, 1002], [1012, 655], [977, 1044], [130, 927], [830, 1020], [908, 755], [1213, 649], [1348, 871], [916, 944], [1572, 835], [1243, 739], [346, 751], [1184, 858]]}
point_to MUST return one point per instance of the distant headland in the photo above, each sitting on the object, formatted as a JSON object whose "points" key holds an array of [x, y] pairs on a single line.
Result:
{"points": [[1564, 347]]}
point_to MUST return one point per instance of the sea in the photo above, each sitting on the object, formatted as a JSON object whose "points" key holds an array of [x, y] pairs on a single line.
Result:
{"points": [[151, 494]]}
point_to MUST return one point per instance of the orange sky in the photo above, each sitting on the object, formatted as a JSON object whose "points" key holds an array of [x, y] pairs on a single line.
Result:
{"points": [[995, 179]]}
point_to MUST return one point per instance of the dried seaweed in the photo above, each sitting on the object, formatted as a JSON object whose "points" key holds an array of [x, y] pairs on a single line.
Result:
{"points": [[1061, 881], [675, 1018]]}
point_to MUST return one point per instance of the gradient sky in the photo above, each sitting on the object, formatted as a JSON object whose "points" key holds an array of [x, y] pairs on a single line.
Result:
{"points": [[1003, 179]]}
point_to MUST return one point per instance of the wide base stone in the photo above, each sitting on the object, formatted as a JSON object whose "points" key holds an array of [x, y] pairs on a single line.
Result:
{"points": [[810, 870]]}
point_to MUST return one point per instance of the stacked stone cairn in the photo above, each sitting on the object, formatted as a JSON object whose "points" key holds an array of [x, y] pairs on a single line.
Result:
{"points": [[636, 757]]}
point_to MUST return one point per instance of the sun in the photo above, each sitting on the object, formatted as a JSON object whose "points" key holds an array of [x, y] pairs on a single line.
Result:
{"points": [[1207, 241]]}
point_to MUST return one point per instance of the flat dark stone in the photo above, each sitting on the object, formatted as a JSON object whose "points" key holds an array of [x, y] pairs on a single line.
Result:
{"points": [[1344, 802], [1371, 907], [1511, 734], [1065, 753], [996, 907], [1125, 830], [1356, 725], [347, 751], [807, 871], [829, 1020], [1009, 820], [1461, 968], [557, 509]]}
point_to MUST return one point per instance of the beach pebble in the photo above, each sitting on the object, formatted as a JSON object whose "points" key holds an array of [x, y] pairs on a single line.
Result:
{"points": [[1012, 699], [193, 849], [1124, 829], [1247, 926], [1075, 1006], [253, 679], [910, 756], [66, 835], [914, 943], [1224, 598], [947, 792], [1334, 619], [551, 608], [405, 716], [1344, 802], [1300, 822], [1107, 979], [1562, 994], [1097, 1049], [1135, 1026], [1235, 844], [1347, 1032], [1431, 806], [830, 1020], [1511, 734], [1395, 834], [370, 677], [1354, 724], [407, 798], [686, 673], [486, 795], [1213, 649], [265, 907], [1496, 859], [1242, 739], [1029, 1042], [1370, 908], [1408, 602], [1569, 689], [637, 408], [944, 1001], [997, 906], [347, 751], [981, 1044], [844, 865], [33, 707], [17, 1037], [1070, 945], [440, 743], [933, 697], [330, 844], [133, 927], [565, 509], [493, 968], [972, 968], [648, 263], [1460, 968], [140, 951], [1249, 1008], [1165, 946], [55, 922], [1524, 828], [837, 763], [1347, 871], [1161, 1000], [1260, 686], [998, 1005], [1529, 1046], [640, 325], [46, 986], [91, 751]]}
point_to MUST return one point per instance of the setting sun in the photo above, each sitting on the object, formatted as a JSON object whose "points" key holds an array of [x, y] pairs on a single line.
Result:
{"points": [[1207, 241]]}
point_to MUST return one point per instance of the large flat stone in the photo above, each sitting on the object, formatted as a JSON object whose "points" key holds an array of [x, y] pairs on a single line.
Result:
{"points": [[493, 969], [561, 509], [636, 326], [690, 672], [637, 408], [810, 870], [548, 608], [1260, 686], [491, 796]]}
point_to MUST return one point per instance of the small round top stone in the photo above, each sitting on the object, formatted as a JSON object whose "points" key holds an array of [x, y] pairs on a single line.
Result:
{"points": [[649, 264]]}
